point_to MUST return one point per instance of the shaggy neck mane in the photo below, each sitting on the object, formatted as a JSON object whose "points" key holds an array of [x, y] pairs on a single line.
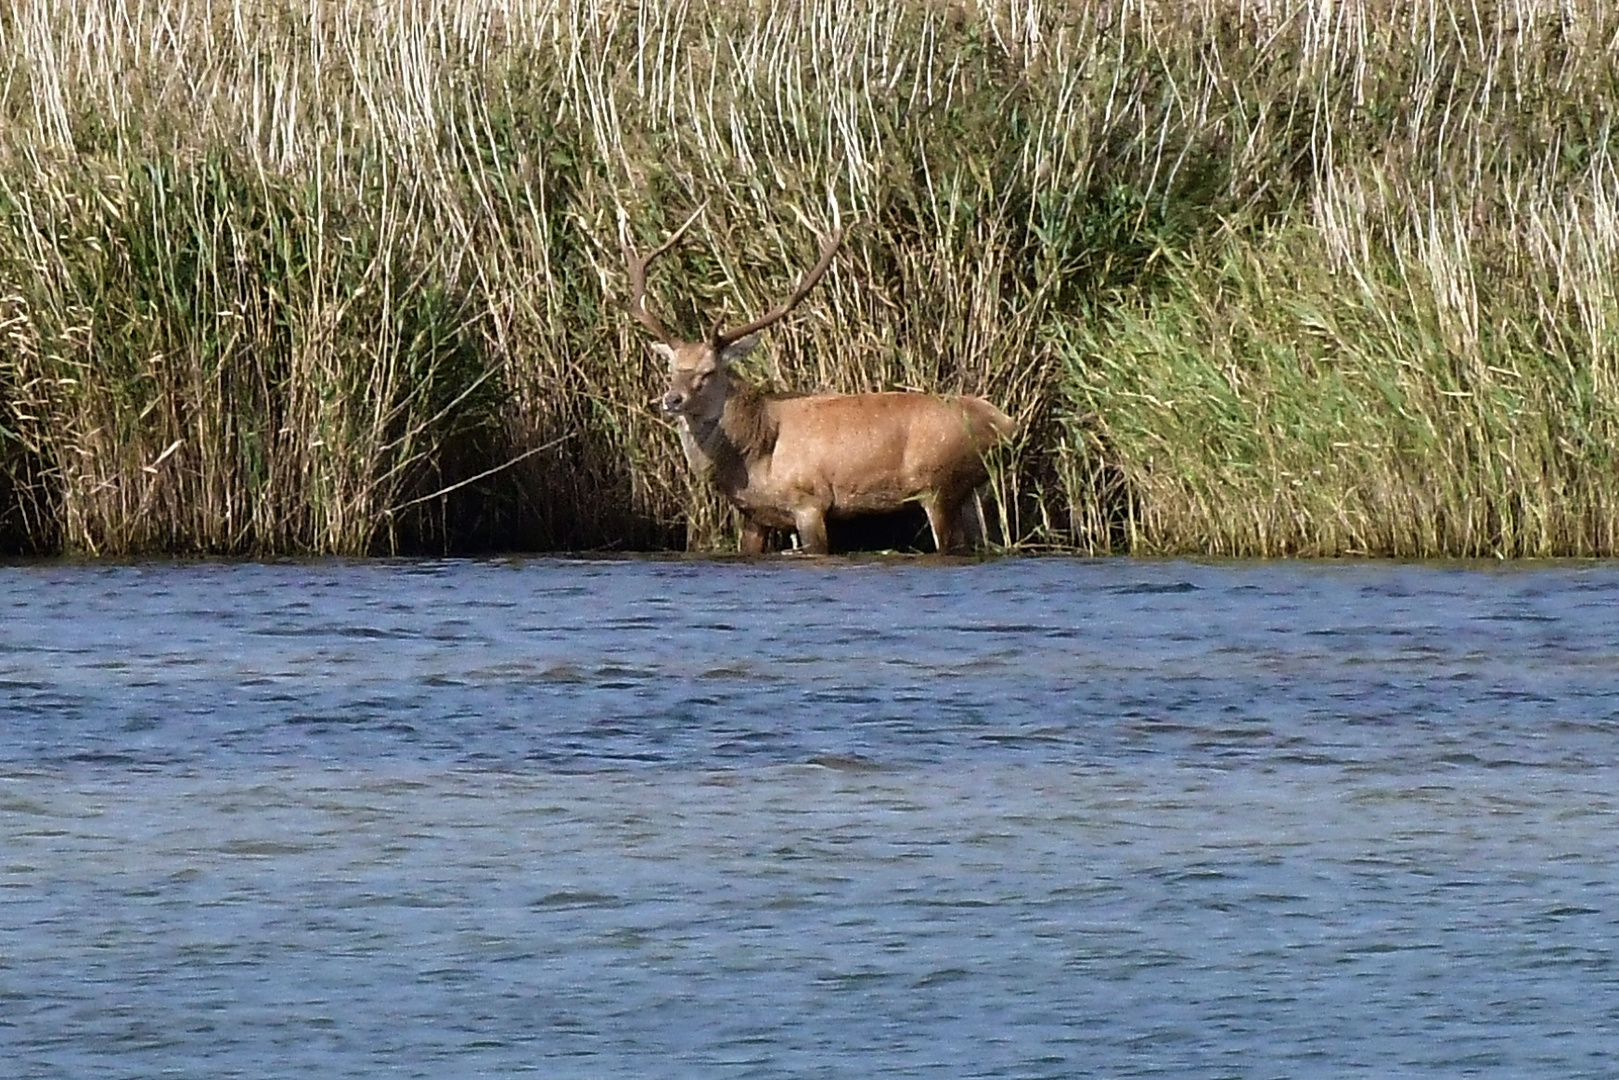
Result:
{"points": [[746, 423]]}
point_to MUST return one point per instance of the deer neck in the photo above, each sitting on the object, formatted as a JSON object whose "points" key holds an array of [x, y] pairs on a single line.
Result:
{"points": [[727, 447]]}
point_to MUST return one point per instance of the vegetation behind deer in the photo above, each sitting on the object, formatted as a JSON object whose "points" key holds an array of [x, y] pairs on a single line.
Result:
{"points": [[1252, 277]]}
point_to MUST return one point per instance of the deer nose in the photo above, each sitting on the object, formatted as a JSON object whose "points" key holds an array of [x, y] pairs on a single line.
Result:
{"points": [[673, 400]]}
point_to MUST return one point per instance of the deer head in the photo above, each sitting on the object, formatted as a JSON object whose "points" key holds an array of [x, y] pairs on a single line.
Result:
{"points": [[697, 383]]}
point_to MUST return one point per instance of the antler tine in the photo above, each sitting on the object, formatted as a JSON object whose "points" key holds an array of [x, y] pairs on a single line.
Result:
{"points": [[829, 248], [638, 265]]}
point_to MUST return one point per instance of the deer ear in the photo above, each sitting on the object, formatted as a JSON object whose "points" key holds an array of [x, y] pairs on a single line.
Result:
{"points": [[664, 350], [736, 350]]}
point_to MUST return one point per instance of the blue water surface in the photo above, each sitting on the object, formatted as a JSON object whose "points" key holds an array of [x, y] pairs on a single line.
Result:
{"points": [[809, 818]]}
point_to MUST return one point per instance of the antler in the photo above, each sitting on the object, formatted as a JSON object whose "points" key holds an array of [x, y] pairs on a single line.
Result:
{"points": [[722, 338], [638, 265]]}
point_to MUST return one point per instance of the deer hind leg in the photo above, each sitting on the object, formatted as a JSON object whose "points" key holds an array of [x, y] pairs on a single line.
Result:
{"points": [[810, 524], [971, 528], [942, 512]]}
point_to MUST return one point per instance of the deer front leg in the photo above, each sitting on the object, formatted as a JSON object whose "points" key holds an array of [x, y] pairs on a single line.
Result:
{"points": [[810, 523], [753, 537]]}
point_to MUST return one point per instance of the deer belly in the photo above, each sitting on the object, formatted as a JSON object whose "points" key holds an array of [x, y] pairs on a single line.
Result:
{"points": [[873, 493], [876, 482], [858, 471], [860, 493]]}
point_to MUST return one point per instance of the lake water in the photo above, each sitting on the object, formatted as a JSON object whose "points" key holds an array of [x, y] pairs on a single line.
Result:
{"points": [[797, 818]]}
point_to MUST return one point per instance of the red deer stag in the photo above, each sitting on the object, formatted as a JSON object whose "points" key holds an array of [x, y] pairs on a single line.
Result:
{"points": [[790, 462]]}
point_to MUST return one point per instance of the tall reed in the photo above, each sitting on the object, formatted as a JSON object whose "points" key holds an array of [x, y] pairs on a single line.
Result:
{"points": [[1255, 276], [1417, 354]]}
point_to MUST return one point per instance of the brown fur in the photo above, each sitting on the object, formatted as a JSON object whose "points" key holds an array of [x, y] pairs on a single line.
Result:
{"points": [[791, 462]]}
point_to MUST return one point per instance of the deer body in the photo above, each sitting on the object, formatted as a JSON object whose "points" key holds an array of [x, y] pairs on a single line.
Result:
{"points": [[792, 461]]}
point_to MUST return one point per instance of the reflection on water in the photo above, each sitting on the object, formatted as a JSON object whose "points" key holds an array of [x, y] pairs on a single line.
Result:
{"points": [[795, 818]]}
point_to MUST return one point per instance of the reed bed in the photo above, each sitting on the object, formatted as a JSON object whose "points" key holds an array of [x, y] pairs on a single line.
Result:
{"points": [[1255, 277]]}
